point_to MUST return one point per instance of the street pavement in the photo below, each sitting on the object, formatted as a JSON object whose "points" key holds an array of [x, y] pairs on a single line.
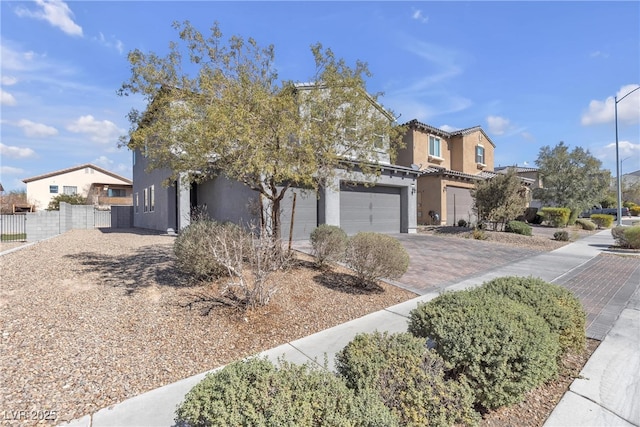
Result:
{"points": [[607, 391]]}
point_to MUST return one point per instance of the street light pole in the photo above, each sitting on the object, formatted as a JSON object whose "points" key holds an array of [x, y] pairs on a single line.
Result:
{"points": [[619, 178]]}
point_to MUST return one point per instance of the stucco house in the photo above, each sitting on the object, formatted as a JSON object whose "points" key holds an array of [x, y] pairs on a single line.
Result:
{"points": [[101, 187], [353, 201], [450, 164]]}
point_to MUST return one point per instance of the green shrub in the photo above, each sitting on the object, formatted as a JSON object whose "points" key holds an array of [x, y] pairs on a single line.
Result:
{"points": [[409, 378], [518, 227], [627, 237], [586, 224], [193, 249], [634, 210], [556, 217], [602, 220], [373, 256], [256, 393], [462, 223], [479, 234], [632, 235], [72, 199], [329, 243], [562, 311], [561, 236], [501, 346]]}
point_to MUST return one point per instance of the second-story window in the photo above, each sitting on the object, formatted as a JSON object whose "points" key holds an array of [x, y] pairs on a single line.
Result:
{"points": [[434, 146], [480, 154]]}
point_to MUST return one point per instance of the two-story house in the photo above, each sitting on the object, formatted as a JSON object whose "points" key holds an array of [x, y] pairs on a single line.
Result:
{"points": [[353, 201], [101, 188], [450, 164]]}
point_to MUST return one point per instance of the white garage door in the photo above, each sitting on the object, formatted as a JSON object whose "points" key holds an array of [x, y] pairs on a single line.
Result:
{"points": [[459, 205], [369, 209]]}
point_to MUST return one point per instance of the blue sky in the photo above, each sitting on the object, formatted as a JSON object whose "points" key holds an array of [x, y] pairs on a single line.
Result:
{"points": [[530, 73]]}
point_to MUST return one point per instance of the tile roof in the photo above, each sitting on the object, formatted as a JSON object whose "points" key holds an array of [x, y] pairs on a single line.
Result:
{"points": [[503, 169], [75, 168], [432, 129], [433, 170]]}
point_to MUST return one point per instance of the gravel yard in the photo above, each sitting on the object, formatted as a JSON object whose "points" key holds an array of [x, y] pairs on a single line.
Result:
{"points": [[91, 318]]}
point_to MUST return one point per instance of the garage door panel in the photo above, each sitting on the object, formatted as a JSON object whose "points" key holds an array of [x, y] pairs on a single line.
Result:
{"points": [[459, 205], [369, 209], [306, 213]]}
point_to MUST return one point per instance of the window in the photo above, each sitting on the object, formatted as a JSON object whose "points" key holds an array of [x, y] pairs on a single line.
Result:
{"points": [[53, 189], [136, 203], [480, 154], [117, 192], [88, 170], [434, 146], [379, 141], [134, 157], [70, 190], [152, 202], [145, 199], [350, 131]]}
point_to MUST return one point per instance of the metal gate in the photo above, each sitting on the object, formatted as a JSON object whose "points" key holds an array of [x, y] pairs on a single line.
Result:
{"points": [[101, 218], [13, 228]]}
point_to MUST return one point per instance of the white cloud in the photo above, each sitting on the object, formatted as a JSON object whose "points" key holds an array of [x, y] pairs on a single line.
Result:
{"points": [[15, 60], [598, 54], [6, 98], [8, 170], [36, 130], [528, 136], [629, 153], [16, 152], [56, 13], [418, 16], [448, 128], [103, 131], [111, 43], [9, 80], [498, 125], [103, 161], [604, 111]]}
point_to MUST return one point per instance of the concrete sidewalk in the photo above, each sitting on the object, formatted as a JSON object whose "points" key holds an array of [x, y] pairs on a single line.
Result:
{"points": [[606, 394]]}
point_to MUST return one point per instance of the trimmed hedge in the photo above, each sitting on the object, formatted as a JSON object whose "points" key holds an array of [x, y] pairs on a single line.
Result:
{"points": [[409, 378], [586, 224], [373, 256], [562, 311], [602, 220], [329, 243], [557, 217], [634, 210], [627, 237], [518, 227], [256, 393], [502, 347]]}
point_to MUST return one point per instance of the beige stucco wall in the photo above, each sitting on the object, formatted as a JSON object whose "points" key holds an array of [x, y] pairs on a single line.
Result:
{"points": [[416, 150], [38, 191], [463, 152]]}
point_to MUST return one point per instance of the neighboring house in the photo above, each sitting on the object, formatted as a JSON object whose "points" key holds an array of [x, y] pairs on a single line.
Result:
{"points": [[450, 164], [529, 175], [353, 201], [101, 187]]}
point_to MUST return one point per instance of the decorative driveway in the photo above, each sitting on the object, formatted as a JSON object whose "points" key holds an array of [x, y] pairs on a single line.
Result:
{"points": [[437, 262]]}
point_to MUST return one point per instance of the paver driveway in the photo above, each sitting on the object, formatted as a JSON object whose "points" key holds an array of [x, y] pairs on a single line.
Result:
{"points": [[440, 261], [436, 261]]}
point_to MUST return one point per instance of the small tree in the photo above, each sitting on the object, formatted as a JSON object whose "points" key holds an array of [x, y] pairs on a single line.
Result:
{"points": [[500, 199], [72, 199], [571, 179], [217, 106]]}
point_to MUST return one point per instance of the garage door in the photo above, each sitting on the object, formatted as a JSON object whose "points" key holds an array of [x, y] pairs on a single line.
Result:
{"points": [[369, 209], [459, 205], [306, 213]]}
